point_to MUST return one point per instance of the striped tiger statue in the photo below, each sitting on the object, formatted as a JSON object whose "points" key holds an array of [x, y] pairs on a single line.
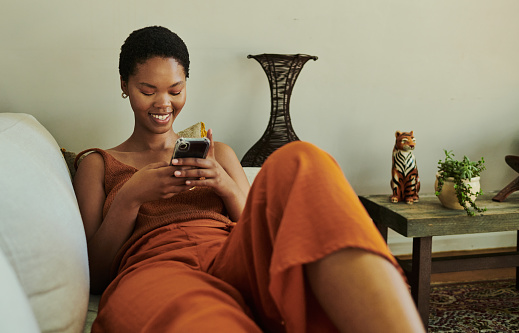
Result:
{"points": [[404, 173]]}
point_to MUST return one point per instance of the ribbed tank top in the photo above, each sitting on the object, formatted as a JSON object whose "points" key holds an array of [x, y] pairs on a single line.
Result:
{"points": [[200, 203]]}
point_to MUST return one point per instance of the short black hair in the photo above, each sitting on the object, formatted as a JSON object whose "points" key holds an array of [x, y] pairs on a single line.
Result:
{"points": [[150, 42]]}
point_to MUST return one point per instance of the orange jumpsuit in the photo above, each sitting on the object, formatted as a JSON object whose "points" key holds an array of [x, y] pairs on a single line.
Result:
{"points": [[202, 273]]}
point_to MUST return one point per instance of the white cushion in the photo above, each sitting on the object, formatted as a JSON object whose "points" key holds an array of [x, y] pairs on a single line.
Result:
{"points": [[15, 312], [41, 233], [251, 173]]}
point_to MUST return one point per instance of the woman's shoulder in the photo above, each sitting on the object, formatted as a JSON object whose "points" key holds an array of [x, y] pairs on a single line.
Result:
{"points": [[223, 148], [90, 168], [223, 151], [97, 154], [225, 155], [93, 157], [90, 155]]}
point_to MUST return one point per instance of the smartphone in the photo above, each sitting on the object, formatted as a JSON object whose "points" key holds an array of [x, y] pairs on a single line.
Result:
{"points": [[191, 147]]}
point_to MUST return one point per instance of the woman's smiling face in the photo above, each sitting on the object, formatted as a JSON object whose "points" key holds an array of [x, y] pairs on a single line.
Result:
{"points": [[157, 93]]}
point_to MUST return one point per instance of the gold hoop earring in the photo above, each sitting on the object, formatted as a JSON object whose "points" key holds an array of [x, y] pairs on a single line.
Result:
{"points": [[124, 95]]}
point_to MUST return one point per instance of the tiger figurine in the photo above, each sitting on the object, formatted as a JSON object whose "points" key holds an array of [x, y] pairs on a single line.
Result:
{"points": [[404, 173]]}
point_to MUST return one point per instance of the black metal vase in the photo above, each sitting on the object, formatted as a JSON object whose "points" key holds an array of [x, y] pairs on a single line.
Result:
{"points": [[282, 71]]}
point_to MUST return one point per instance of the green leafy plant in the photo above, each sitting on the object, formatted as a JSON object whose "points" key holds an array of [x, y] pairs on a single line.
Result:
{"points": [[460, 170]]}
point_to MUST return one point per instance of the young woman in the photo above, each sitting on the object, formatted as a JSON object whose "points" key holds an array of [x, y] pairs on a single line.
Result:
{"points": [[184, 247]]}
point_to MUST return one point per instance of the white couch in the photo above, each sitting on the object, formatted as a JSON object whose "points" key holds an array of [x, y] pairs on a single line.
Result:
{"points": [[42, 241], [44, 280]]}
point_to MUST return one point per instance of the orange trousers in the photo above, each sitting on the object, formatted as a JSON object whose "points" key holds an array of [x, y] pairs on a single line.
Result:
{"points": [[193, 278]]}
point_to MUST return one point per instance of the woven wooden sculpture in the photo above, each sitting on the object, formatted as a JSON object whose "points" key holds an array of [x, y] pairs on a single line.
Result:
{"points": [[513, 162], [282, 71]]}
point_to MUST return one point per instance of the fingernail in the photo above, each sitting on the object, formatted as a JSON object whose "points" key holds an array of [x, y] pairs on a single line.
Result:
{"points": [[175, 161], [177, 173]]}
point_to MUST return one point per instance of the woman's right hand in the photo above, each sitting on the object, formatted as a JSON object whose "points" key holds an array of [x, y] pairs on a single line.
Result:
{"points": [[154, 182]]}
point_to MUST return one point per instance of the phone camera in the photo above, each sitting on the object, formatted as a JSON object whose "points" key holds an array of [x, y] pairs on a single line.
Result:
{"points": [[183, 146]]}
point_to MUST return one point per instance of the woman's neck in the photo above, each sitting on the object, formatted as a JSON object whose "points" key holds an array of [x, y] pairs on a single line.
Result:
{"points": [[149, 142]]}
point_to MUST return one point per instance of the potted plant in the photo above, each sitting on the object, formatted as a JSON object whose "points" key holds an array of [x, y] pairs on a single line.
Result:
{"points": [[457, 183]]}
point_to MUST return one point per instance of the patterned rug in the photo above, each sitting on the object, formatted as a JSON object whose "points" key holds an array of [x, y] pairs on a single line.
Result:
{"points": [[486, 306]]}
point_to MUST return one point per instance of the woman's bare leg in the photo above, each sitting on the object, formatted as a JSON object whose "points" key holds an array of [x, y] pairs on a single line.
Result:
{"points": [[363, 292]]}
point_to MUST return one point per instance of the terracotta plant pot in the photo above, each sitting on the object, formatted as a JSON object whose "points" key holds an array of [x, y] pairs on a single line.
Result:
{"points": [[448, 196]]}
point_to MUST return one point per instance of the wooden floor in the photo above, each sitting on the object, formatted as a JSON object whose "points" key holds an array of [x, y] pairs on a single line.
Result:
{"points": [[479, 275]]}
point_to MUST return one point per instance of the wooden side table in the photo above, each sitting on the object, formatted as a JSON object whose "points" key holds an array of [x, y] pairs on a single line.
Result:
{"points": [[428, 218]]}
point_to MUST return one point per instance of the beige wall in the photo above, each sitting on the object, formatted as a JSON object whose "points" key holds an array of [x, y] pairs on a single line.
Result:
{"points": [[448, 69]]}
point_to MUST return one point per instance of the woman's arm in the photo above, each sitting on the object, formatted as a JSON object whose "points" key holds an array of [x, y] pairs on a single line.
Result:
{"points": [[235, 199], [106, 236]]}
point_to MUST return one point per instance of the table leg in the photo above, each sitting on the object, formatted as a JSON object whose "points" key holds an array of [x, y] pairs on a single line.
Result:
{"points": [[517, 268], [383, 231], [420, 277]]}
